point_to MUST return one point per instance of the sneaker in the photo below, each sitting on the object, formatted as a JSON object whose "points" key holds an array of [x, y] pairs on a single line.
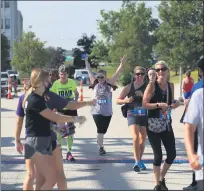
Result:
{"points": [[70, 157], [102, 151], [191, 187], [136, 167], [157, 187], [142, 165], [163, 185]]}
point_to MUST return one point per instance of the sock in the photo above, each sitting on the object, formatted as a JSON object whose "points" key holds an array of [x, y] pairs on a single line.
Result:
{"points": [[100, 139], [59, 138], [69, 143]]}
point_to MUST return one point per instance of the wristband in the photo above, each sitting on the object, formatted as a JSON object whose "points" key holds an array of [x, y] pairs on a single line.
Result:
{"points": [[157, 105]]}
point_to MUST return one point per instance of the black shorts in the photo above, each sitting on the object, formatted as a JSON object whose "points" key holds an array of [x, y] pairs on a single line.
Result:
{"points": [[54, 145], [69, 112], [102, 123]]}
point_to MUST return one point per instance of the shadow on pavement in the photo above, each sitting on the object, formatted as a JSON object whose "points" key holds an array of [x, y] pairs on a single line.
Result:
{"points": [[6, 110], [7, 142]]}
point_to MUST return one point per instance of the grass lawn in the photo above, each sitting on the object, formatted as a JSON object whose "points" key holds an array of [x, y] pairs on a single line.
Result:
{"points": [[175, 79]]}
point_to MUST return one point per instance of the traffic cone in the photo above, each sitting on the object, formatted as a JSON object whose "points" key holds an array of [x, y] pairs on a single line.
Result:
{"points": [[9, 88], [81, 91], [24, 84]]}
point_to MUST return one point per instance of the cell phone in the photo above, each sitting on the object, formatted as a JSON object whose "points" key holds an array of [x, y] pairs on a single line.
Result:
{"points": [[84, 56]]}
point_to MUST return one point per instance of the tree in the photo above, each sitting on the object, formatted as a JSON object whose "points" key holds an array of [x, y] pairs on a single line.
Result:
{"points": [[85, 45], [29, 53], [56, 57], [5, 61], [101, 51], [129, 31], [180, 35]]}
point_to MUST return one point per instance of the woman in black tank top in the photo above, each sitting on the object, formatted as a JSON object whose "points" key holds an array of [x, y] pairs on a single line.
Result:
{"points": [[136, 115], [159, 99]]}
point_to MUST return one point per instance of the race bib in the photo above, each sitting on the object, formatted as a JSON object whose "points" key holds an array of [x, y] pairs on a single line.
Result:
{"points": [[102, 101], [139, 112]]}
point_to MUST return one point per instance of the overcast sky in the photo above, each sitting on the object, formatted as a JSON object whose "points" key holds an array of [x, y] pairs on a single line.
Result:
{"points": [[61, 23]]}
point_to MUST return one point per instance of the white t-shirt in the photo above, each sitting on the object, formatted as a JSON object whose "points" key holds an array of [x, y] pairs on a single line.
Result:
{"points": [[194, 116]]}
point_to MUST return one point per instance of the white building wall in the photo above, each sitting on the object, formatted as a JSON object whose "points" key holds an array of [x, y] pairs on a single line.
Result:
{"points": [[9, 16]]}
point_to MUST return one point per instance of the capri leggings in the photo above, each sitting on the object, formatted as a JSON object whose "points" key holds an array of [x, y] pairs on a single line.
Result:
{"points": [[102, 123], [168, 140]]}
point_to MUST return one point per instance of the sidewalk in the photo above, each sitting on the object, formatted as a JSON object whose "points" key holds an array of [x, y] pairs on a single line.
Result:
{"points": [[91, 171]]}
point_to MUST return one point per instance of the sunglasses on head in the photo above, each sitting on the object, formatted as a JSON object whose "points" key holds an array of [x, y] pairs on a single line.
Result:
{"points": [[161, 69], [100, 77], [139, 74]]}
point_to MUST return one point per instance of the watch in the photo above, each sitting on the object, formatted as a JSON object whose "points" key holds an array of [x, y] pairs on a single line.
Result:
{"points": [[157, 105]]}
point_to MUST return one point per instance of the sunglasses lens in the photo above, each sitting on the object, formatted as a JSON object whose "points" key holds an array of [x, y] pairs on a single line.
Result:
{"points": [[139, 74], [161, 69], [100, 77]]}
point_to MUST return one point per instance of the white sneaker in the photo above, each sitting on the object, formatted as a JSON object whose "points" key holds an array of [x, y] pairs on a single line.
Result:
{"points": [[190, 188]]}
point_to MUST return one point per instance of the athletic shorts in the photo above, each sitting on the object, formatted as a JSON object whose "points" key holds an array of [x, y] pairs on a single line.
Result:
{"points": [[187, 95], [137, 120], [43, 145], [54, 140]]}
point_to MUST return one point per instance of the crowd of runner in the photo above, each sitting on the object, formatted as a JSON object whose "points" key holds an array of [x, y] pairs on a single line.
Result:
{"points": [[50, 107]]}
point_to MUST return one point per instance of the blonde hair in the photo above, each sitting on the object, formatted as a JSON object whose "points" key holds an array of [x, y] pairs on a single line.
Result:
{"points": [[36, 78], [139, 68], [161, 62]]}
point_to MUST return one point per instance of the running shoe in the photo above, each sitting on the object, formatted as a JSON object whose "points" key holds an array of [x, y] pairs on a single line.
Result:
{"points": [[142, 165], [191, 187], [102, 151], [136, 167], [70, 157], [163, 185], [157, 187]]}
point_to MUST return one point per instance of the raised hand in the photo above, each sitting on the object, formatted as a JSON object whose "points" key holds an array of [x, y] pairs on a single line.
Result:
{"points": [[123, 60]]}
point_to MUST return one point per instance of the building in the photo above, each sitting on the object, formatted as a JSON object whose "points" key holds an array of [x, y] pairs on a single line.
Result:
{"points": [[11, 22]]}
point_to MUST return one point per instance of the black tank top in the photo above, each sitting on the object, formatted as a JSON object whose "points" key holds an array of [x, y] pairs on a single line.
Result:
{"points": [[159, 96], [137, 94]]}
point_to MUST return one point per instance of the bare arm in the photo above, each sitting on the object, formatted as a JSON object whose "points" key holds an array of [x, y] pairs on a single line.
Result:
{"points": [[121, 99], [147, 96], [18, 129], [76, 94], [57, 118], [118, 71], [189, 131], [78, 105], [88, 67]]}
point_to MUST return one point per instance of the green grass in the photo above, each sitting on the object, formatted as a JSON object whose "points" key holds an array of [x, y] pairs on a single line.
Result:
{"points": [[175, 79]]}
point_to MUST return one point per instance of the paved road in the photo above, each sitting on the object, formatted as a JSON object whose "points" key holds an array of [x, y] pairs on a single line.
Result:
{"points": [[111, 172]]}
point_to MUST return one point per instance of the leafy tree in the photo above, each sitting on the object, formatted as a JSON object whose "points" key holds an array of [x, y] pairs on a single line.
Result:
{"points": [[101, 51], [85, 45], [5, 61], [180, 35], [56, 57], [129, 31], [29, 53]]}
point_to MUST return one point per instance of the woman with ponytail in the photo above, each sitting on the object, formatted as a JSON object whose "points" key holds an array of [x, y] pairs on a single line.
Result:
{"points": [[38, 143]]}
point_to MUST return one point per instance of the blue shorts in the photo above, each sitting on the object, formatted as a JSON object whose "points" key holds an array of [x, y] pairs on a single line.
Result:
{"points": [[137, 120], [187, 95]]}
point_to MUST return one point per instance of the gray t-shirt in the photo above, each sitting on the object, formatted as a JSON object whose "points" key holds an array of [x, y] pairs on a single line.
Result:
{"points": [[103, 96], [194, 116]]}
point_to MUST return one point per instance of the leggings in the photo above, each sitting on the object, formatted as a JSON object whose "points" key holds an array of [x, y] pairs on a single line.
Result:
{"points": [[102, 123], [168, 140]]}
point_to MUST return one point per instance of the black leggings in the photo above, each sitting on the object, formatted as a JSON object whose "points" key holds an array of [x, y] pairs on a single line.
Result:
{"points": [[168, 140], [102, 123]]}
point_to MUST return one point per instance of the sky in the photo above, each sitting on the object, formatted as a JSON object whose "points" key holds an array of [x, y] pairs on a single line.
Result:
{"points": [[62, 23]]}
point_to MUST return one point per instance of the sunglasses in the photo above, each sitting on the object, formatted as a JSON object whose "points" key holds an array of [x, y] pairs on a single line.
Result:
{"points": [[100, 77], [139, 74], [161, 69]]}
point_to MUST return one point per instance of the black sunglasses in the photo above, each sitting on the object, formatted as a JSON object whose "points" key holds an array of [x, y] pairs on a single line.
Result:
{"points": [[139, 74], [100, 77], [161, 69]]}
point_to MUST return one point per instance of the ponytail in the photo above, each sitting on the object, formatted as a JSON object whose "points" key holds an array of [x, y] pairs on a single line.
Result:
{"points": [[28, 92]]}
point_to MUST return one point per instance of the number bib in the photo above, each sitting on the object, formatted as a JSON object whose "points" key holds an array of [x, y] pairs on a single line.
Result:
{"points": [[102, 101], [138, 112]]}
